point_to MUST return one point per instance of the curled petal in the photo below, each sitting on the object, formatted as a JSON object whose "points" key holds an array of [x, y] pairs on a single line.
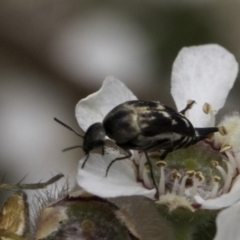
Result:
{"points": [[95, 107], [228, 223], [225, 200], [204, 74], [120, 181]]}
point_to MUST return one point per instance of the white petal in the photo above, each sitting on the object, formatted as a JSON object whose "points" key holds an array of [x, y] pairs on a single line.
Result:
{"points": [[120, 181], [228, 223], [204, 74], [95, 107], [225, 200]]}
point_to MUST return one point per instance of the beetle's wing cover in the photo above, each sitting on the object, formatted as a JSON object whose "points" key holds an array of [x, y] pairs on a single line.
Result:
{"points": [[155, 119], [181, 125], [120, 123], [143, 122]]}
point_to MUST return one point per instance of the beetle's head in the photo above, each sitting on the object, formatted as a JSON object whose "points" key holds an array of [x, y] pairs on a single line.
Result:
{"points": [[94, 137]]}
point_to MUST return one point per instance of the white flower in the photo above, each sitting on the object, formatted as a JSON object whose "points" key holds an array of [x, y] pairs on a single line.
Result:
{"points": [[204, 74], [121, 179]]}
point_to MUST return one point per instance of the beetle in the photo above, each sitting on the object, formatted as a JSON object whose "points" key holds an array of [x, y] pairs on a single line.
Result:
{"points": [[147, 126]]}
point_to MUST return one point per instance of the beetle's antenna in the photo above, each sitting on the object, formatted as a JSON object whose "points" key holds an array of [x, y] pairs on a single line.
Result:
{"points": [[85, 161], [70, 148], [68, 127]]}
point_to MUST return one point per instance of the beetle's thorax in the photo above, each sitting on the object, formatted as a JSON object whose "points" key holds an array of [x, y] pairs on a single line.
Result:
{"points": [[94, 137]]}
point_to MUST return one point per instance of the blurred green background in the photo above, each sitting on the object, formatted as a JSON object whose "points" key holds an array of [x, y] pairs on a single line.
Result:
{"points": [[53, 53]]}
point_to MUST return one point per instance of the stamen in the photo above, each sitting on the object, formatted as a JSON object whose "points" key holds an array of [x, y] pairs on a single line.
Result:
{"points": [[228, 180], [137, 156], [215, 188], [222, 130], [215, 164], [176, 176], [232, 160], [197, 179], [161, 185], [146, 179], [189, 175], [141, 166], [225, 147], [207, 108], [199, 176]]}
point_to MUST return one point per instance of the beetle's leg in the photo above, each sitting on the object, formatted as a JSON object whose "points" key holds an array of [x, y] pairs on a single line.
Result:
{"points": [[85, 161], [189, 106], [120, 158], [165, 153]]}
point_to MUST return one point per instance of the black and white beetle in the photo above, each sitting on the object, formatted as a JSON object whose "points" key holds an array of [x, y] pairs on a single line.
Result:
{"points": [[143, 125]]}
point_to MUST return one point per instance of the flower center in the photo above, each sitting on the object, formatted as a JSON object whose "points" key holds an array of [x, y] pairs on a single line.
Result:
{"points": [[197, 170]]}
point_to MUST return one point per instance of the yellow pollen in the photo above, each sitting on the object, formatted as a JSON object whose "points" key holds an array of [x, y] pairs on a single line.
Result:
{"points": [[161, 164], [176, 174], [190, 173], [214, 164], [199, 176], [216, 179], [207, 108], [225, 147], [222, 130]]}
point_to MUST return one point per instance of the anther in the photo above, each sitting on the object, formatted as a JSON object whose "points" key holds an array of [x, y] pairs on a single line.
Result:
{"points": [[222, 130], [207, 109], [225, 147], [161, 185], [176, 176], [214, 192], [190, 174], [161, 164], [215, 164], [199, 176]]}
